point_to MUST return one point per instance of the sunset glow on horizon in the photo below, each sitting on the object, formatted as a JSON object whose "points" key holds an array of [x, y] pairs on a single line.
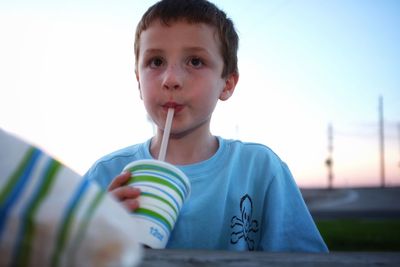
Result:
{"points": [[68, 85]]}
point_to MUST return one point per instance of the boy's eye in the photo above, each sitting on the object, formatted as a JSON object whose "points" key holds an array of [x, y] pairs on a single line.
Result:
{"points": [[156, 62], [196, 62]]}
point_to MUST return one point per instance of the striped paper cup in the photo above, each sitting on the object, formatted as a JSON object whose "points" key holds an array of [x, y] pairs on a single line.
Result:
{"points": [[164, 189]]}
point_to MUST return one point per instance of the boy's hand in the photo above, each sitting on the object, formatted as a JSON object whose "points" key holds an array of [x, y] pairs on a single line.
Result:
{"points": [[124, 193]]}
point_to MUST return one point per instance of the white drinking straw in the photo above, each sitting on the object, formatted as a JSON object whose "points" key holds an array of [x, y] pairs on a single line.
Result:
{"points": [[167, 129]]}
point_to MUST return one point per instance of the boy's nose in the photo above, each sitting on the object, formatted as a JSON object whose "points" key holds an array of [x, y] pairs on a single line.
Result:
{"points": [[172, 78]]}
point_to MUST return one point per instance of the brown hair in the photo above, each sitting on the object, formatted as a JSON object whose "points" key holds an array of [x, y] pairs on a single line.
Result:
{"points": [[194, 11]]}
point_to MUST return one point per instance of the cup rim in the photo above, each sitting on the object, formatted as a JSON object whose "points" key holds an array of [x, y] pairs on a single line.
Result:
{"points": [[163, 164]]}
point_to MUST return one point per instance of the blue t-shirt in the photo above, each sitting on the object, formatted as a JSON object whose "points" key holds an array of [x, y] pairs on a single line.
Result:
{"points": [[243, 198]]}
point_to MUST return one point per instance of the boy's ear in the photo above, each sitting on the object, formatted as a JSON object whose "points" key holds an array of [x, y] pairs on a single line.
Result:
{"points": [[230, 84], [137, 79]]}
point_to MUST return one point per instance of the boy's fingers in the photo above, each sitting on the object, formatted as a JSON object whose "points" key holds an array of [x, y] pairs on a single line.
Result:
{"points": [[131, 204], [119, 181], [126, 192]]}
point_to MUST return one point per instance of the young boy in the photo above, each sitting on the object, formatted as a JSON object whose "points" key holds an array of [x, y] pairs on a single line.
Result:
{"points": [[243, 196]]}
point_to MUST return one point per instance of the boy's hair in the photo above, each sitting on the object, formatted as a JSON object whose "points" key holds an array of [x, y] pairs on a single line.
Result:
{"points": [[194, 11]]}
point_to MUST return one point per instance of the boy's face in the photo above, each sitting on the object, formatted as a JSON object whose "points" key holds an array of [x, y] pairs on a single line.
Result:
{"points": [[180, 66]]}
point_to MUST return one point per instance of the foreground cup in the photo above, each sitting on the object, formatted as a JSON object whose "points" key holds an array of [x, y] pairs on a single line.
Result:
{"points": [[164, 189]]}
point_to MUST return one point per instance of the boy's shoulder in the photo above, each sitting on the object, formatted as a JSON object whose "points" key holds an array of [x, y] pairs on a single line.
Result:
{"points": [[128, 153], [259, 157], [250, 148], [110, 165]]}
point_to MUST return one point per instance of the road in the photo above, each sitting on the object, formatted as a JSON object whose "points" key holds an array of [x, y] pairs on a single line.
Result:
{"points": [[374, 202]]}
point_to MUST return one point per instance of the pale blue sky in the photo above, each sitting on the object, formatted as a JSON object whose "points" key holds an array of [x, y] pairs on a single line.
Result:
{"points": [[66, 81]]}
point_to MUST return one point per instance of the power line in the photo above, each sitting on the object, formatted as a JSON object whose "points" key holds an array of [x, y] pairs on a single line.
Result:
{"points": [[366, 130]]}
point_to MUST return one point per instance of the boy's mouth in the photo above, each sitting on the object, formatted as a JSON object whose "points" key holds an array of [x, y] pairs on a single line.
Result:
{"points": [[173, 105]]}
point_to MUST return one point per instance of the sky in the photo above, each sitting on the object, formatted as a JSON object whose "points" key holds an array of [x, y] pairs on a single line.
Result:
{"points": [[67, 82]]}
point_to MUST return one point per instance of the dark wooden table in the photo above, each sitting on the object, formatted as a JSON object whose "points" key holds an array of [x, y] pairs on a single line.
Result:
{"points": [[194, 258]]}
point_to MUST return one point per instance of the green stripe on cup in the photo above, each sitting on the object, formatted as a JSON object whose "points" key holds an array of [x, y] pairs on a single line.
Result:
{"points": [[65, 228], [162, 200], [155, 215], [88, 215], [156, 180], [144, 167], [24, 250], [14, 178]]}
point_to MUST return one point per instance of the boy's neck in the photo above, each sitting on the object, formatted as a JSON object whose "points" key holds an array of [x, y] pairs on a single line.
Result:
{"points": [[186, 150]]}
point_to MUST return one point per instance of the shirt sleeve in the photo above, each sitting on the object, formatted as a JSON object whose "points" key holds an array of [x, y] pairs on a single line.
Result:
{"points": [[99, 175], [287, 224]]}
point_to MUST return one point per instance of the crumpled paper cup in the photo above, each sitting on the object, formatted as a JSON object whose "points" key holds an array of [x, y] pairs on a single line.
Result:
{"points": [[50, 216]]}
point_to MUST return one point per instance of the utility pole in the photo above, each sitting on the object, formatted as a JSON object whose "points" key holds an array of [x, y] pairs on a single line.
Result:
{"points": [[329, 160], [398, 131], [381, 142]]}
